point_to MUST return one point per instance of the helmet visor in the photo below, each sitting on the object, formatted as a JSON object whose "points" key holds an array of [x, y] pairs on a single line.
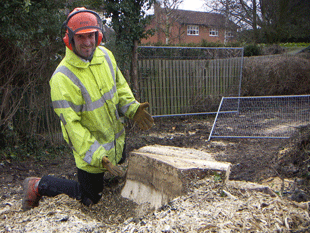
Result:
{"points": [[86, 30]]}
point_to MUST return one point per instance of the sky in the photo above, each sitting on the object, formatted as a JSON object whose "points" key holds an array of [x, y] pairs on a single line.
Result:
{"points": [[193, 5]]}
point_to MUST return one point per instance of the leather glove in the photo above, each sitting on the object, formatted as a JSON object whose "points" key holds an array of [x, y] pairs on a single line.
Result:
{"points": [[114, 170], [143, 118]]}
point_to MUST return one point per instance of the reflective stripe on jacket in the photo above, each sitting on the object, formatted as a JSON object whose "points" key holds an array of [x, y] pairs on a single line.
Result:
{"points": [[89, 98]]}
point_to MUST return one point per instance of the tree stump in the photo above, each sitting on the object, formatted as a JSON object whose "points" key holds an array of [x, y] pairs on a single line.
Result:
{"points": [[157, 174]]}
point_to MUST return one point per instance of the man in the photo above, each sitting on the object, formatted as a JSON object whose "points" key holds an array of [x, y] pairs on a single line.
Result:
{"points": [[89, 94]]}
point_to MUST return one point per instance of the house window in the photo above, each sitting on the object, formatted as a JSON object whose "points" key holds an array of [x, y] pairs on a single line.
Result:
{"points": [[229, 34], [214, 32], [192, 30]]}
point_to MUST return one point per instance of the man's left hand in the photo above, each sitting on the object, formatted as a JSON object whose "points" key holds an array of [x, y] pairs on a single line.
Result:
{"points": [[143, 118]]}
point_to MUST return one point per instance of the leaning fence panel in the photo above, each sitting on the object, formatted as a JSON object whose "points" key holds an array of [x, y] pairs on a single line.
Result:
{"points": [[188, 80], [261, 117]]}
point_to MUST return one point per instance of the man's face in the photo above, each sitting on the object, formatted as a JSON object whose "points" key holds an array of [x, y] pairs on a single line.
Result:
{"points": [[85, 44]]}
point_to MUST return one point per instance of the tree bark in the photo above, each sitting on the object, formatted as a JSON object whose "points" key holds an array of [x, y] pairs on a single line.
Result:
{"points": [[134, 70], [255, 34]]}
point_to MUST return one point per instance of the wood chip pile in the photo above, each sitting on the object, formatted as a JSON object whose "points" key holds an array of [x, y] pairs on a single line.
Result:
{"points": [[207, 208]]}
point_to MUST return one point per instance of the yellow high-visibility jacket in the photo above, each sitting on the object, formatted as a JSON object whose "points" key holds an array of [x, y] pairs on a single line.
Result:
{"points": [[89, 98]]}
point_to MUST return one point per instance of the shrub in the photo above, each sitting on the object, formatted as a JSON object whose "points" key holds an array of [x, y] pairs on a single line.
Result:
{"points": [[277, 75], [205, 43], [272, 49], [252, 50]]}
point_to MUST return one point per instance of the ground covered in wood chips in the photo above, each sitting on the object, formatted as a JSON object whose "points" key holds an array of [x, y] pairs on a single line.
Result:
{"points": [[281, 164]]}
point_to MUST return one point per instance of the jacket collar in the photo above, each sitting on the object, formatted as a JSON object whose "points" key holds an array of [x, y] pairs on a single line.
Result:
{"points": [[78, 62]]}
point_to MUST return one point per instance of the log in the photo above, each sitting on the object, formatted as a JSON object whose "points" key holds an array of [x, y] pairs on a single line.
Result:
{"points": [[157, 174]]}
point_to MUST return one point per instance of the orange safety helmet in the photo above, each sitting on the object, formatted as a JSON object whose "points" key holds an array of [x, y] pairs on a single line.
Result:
{"points": [[81, 21]]}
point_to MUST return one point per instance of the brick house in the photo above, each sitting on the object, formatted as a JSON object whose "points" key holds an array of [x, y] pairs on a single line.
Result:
{"points": [[183, 26]]}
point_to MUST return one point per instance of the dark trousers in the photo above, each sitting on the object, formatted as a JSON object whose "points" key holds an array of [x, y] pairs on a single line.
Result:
{"points": [[87, 189]]}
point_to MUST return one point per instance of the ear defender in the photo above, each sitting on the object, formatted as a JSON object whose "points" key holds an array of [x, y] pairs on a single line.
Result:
{"points": [[99, 37], [68, 42], [81, 21]]}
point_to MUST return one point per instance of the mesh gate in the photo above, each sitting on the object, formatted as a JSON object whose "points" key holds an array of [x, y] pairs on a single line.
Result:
{"points": [[260, 117]]}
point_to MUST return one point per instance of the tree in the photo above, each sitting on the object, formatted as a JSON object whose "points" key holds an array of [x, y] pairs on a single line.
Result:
{"points": [[285, 20], [30, 49], [31, 23], [166, 16], [270, 21], [245, 13], [128, 21], [29, 31]]}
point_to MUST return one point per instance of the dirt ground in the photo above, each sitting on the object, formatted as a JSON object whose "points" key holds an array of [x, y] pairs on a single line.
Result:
{"points": [[252, 160]]}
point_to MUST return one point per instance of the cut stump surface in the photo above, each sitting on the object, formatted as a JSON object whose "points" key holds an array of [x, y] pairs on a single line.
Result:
{"points": [[157, 174]]}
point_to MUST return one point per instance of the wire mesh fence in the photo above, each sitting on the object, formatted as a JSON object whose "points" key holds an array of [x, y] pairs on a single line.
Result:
{"points": [[260, 117], [188, 80]]}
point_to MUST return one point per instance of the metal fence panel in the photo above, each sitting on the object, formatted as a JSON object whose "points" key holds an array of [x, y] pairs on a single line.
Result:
{"points": [[261, 117], [187, 80]]}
